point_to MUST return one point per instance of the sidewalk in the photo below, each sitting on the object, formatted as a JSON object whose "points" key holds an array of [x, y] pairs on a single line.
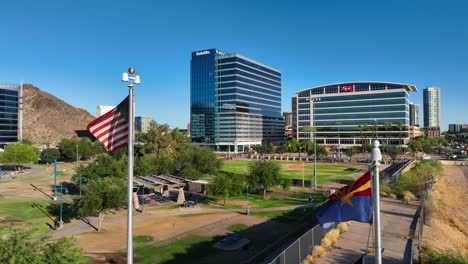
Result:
{"points": [[396, 219]]}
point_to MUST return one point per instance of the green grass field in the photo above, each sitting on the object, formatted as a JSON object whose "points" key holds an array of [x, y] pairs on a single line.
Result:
{"points": [[293, 170], [176, 251], [27, 213]]}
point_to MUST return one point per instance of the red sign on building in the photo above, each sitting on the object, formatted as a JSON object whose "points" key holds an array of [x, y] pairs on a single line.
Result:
{"points": [[346, 88]]}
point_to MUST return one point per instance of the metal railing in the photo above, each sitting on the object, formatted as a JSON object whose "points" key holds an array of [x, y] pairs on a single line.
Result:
{"points": [[302, 247]]}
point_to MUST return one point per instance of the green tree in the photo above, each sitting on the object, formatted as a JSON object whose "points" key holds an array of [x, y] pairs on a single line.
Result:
{"points": [[194, 161], [394, 152], [63, 251], [264, 175], [18, 154], [17, 249], [350, 153], [226, 185], [26, 141], [154, 164], [49, 155], [104, 166], [159, 139], [101, 196], [69, 148], [259, 149]]}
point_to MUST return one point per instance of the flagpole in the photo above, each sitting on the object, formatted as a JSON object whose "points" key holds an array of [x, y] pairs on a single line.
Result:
{"points": [[376, 156], [131, 118]]}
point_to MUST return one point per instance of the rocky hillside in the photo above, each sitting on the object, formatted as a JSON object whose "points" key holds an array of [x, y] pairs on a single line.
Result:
{"points": [[47, 119]]}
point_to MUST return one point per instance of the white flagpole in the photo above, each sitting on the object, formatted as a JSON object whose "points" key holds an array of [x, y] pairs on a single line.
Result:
{"points": [[131, 110], [376, 156]]}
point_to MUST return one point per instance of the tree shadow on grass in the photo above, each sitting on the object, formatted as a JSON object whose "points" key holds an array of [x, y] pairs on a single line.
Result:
{"points": [[68, 211]]}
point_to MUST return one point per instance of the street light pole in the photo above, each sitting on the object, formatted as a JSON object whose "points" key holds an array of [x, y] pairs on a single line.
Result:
{"points": [[247, 212], [61, 194], [55, 179], [77, 160]]}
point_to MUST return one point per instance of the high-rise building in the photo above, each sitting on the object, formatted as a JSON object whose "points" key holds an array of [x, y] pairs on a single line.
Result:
{"points": [[287, 119], [352, 113], [102, 109], [431, 98], [458, 128], [142, 123], [414, 114], [11, 113], [235, 101], [294, 116]]}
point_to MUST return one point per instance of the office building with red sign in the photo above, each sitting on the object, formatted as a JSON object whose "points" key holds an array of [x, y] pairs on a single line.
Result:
{"points": [[348, 114]]}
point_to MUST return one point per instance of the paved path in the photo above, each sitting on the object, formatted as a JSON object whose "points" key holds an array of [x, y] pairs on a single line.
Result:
{"points": [[396, 219]]}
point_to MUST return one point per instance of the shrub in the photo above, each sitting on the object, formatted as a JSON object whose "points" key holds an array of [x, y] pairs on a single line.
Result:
{"points": [[409, 196]]}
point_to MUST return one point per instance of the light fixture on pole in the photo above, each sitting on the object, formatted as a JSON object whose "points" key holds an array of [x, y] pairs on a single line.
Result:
{"points": [[314, 131], [77, 159], [132, 81], [62, 189]]}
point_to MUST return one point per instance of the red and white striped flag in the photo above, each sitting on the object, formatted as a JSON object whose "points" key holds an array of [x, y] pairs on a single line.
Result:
{"points": [[112, 127]]}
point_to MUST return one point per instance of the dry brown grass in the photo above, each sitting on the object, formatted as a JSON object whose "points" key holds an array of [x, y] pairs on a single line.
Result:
{"points": [[447, 215], [392, 196], [333, 236], [409, 196], [344, 226]]}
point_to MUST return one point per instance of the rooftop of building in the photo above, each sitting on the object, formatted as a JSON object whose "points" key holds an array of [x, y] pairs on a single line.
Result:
{"points": [[227, 55], [408, 87], [9, 86]]}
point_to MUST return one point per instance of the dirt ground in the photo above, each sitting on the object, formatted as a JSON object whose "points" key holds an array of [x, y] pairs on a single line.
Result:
{"points": [[447, 223], [112, 237]]}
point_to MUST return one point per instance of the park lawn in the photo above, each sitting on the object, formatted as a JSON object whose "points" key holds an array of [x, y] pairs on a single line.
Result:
{"points": [[288, 216], [255, 201], [27, 213], [184, 250], [327, 173]]}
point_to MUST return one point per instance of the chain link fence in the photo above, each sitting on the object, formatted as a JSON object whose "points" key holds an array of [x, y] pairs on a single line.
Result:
{"points": [[299, 249]]}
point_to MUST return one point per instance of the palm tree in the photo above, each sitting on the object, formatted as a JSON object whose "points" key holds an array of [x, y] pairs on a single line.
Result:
{"points": [[308, 129], [400, 127], [387, 127], [365, 128], [361, 130]]}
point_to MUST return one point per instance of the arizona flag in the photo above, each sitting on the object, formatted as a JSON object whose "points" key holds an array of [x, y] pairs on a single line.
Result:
{"points": [[352, 202], [112, 127]]}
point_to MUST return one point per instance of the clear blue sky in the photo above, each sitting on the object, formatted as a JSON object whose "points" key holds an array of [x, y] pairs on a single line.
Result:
{"points": [[77, 50]]}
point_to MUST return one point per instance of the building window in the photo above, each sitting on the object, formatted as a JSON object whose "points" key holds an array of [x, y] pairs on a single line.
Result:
{"points": [[331, 89]]}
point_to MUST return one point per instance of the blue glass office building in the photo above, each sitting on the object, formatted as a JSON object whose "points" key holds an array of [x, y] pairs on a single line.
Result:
{"points": [[348, 114], [10, 113], [235, 101]]}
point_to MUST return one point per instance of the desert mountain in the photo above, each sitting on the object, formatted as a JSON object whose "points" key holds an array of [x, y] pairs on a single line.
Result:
{"points": [[47, 119]]}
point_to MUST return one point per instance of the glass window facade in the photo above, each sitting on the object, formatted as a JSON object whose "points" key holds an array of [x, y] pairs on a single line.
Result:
{"points": [[234, 100], [9, 112], [355, 116]]}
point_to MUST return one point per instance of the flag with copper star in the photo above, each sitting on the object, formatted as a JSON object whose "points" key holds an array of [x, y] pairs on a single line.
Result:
{"points": [[351, 202]]}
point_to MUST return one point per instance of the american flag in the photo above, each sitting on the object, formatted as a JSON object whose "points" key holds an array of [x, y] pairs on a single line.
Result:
{"points": [[112, 127]]}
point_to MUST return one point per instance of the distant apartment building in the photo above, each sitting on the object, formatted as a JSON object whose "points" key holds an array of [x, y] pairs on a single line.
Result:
{"points": [[458, 128], [288, 125], [235, 101], [102, 109], [294, 116], [431, 101], [142, 123], [414, 114], [352, 113], [11, 113]]}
